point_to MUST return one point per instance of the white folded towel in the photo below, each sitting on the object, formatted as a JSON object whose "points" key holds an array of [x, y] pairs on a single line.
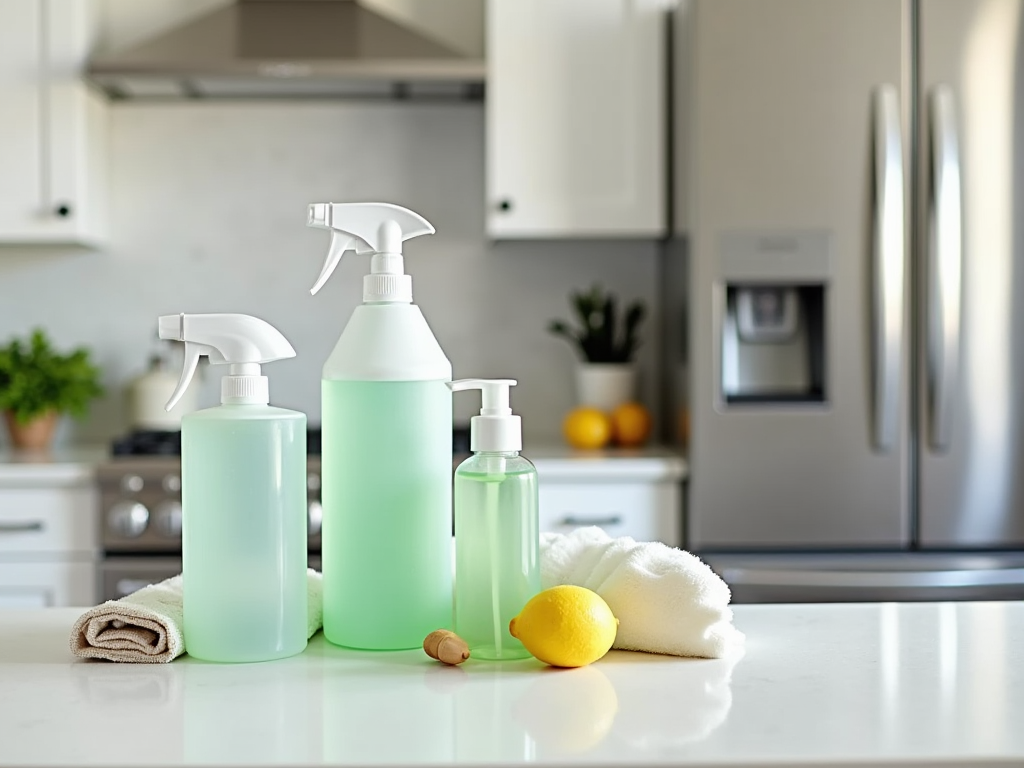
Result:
{"points": [[145, 627], [666, 600]]}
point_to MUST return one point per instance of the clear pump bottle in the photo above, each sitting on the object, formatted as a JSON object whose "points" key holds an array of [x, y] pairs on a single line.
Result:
{"points": [[243, 486], [497, 567]]}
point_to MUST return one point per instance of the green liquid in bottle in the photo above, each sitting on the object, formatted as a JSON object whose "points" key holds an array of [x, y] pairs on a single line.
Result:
{"points": [[386, 539], [244, 533], [497, 567]]}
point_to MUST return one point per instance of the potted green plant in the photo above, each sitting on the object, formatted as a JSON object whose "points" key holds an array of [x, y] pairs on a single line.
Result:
{"points": [[38, 384], [606, 375]]}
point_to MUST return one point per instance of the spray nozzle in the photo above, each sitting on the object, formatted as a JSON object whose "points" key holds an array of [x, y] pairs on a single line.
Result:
{"points": [[241, 341], [495, 429], [377, 228]]}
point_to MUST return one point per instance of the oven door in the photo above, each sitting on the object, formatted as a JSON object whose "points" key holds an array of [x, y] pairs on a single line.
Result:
{"points": [[120, 576]]}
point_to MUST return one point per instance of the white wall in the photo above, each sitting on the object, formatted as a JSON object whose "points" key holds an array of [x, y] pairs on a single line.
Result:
{"points": [[208, 215]]}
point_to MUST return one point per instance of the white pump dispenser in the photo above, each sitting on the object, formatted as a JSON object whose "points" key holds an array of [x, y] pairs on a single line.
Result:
{"points": [[377, 228], [496, 428], [241, 341]]}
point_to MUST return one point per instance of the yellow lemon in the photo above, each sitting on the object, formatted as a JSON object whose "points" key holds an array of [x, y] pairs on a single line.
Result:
{"points": [[631, 425], [566, 626], [587, 427]]}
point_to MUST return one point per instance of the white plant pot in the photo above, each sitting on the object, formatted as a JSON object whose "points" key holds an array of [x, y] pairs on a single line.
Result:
{"points": [[605, 385]]}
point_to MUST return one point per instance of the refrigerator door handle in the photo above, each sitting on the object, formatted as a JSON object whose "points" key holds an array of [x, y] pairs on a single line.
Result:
{"points": [[888, 267], [945, 261], [771, 577]]}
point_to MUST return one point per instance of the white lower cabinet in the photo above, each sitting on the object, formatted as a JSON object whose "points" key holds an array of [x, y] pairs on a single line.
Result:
{"points": [[637, 496], [643, 511], [47, 584], [48, 545], [56, 521]]}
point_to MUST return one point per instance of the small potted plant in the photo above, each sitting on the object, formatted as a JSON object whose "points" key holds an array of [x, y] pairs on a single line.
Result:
{"points": [[38, 384], [606, 376]]}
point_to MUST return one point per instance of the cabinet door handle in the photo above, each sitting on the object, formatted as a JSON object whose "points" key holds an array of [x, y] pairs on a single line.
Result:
{"points": [[580, 521], [27, 527]]}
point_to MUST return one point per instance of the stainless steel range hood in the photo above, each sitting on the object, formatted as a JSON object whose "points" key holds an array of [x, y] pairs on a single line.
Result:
{"points": [[288, 48]]}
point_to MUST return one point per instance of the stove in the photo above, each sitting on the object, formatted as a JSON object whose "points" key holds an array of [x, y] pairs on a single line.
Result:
{"points": [[143, 442], [140, 510]]}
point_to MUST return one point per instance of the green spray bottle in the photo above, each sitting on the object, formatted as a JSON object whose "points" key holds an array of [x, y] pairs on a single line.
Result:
{"points": [[386, 446], [497, 566], [243, 496]]}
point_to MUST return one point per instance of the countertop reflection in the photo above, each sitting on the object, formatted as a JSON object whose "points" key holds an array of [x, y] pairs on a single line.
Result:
{"points": [[875, 684]]}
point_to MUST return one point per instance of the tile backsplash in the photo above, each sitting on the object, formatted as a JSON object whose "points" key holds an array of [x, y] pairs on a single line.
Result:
{"points": [[208, 205]]}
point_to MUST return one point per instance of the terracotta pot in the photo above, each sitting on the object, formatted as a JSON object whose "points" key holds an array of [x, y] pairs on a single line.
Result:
{"points": [[36, 435]]}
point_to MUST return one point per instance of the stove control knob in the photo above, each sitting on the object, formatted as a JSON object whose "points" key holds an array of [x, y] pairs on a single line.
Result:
{"points": [[128, 518], [168, 519], [132, 483], [315, 518], [171, 483]]}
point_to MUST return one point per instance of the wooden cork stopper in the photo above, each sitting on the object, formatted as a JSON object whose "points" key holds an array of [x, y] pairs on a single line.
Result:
{"points": [[445, 646]]}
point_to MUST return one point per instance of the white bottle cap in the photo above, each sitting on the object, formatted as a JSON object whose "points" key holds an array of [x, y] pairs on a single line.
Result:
{"points": [[496, 428], [245, 385]]}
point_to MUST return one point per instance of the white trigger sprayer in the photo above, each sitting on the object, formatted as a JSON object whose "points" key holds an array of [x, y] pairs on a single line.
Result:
{"points": [[241, 341], [377, 228]]}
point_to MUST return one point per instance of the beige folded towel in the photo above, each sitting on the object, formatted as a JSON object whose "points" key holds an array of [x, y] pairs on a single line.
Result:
{"points": [[145, 627]]}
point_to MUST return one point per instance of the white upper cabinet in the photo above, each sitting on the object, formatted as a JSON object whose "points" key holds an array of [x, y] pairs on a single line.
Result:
{"points": [[576, 105], [52, 152]]}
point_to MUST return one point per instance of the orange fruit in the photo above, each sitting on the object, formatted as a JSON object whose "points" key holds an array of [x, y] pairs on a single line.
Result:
{"points": [[587, 427], [631, 425]]}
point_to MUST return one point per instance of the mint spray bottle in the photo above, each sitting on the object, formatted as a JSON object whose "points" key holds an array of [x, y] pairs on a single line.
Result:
{"points": [[243, 489], [497, 541], [386, 446]]}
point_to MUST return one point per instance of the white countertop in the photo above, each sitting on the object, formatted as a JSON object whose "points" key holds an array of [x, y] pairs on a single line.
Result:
{"points": [[60, 466], [652, 464], [857, 684], [63, 466]]}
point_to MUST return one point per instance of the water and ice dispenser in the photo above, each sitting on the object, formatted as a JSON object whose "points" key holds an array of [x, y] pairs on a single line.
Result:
{"points": [[772, 343]]}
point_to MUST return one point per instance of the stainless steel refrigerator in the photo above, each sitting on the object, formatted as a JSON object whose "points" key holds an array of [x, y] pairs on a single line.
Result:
{"points": [[846, 295]]}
